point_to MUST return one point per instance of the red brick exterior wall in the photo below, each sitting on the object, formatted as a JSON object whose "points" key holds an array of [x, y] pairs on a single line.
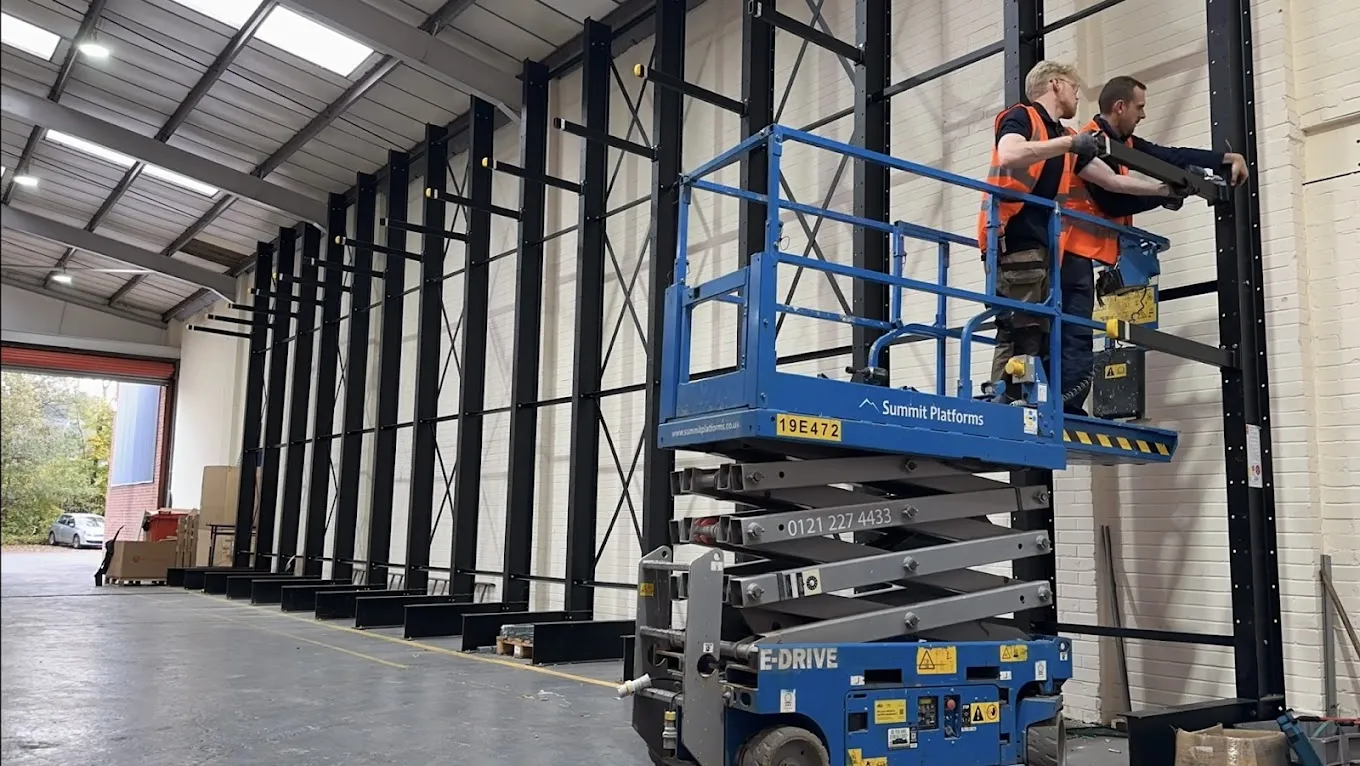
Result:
{"points": [[125, 504]]}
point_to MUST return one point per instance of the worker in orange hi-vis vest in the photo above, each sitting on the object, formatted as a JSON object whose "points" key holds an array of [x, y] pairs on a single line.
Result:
{"points": [[1035, 154]]}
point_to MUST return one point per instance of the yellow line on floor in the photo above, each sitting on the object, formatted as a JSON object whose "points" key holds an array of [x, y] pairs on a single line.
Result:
{"points": [[350, 652], [432, 647]]}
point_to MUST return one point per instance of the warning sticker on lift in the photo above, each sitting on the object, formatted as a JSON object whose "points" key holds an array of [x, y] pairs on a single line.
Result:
{"points": [[984, 712], [806, 427], [646, 589], [890, 711], [1014, 653], [903, 737], [937, 660]]}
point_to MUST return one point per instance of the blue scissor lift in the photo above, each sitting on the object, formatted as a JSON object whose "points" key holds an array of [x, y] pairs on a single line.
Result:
{"points": [[854, 624]]}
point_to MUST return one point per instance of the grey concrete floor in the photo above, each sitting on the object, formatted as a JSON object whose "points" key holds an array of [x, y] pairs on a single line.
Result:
{"points": [[124, 676]]}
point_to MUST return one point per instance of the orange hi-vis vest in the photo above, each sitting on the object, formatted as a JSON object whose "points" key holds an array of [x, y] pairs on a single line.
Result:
{"points": [[1080, 238]]}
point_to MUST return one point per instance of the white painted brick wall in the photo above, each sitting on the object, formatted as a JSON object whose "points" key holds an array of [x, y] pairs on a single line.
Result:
{"points": [[1169, 522]]}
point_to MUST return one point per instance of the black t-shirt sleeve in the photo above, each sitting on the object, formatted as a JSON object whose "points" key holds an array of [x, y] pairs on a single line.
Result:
{"points": [[1016, 121]]}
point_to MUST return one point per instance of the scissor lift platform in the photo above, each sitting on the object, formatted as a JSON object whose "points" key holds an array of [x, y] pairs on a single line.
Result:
{"points": [[1001, 442]]}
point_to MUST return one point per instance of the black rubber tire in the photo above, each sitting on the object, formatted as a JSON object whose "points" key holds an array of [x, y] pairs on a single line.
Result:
{"points": [[1046, 745], [785, 746], [51, 539], [75, 541]]}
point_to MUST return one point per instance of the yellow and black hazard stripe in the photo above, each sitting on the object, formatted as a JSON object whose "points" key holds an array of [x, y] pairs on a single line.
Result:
{"points": [[1124, 443]]}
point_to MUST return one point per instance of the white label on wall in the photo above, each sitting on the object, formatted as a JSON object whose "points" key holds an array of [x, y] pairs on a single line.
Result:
{"points": [[1255, 471]]}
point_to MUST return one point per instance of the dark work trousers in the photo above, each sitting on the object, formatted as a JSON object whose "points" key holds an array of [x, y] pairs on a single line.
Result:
{"points": [[1023, 277], [1078, 358]]}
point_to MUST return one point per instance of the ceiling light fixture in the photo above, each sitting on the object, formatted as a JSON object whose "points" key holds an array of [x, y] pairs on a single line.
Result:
{"points": [[62, 278], [29, 181], [92, 48]]}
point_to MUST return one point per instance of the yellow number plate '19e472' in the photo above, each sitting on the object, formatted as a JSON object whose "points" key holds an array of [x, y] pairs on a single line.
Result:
{"points": [[806, 427]]}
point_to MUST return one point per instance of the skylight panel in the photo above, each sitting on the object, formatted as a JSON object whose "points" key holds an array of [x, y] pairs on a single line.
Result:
{"points": [[28, 37], [313, 42], [290, 32], [233, 13], [89, 147], [171, 177], [122, 160]]}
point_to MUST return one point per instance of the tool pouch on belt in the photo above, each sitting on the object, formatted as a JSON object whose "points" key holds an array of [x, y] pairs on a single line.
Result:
{"points": [[1023, 276]]}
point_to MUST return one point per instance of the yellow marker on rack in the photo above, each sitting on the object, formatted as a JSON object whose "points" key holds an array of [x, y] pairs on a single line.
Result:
{"points": [[639, 70], [429, 193], [1112, 328]]}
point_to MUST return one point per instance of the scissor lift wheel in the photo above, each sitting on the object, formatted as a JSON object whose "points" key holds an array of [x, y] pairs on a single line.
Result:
{"points": [[785, 746], [1046, 744]]}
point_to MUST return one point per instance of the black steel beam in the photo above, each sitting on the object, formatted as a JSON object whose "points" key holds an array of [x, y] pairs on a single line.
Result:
{"points": [[251, 430], [323, 412], [613, 142], [480, 629], [580, 640], [665, 80], [304, 342], [446, 619], [389, 378], [873, 21], [1155, 340], [428, 364], [1253, 559], [757, 92], [271, 591], [302, 598], [764, 11], [1152, 733], [583, 488], [519, 505], [276, 397], [390, 611], [668, 114], [467, 482], [356, 375], [340, 603], [217, 331], [1023, 45]]}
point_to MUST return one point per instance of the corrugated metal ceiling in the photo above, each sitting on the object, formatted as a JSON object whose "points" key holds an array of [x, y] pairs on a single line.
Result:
{"points": [[249, 118]]}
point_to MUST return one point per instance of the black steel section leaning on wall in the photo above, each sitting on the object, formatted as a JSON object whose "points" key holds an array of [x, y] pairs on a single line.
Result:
{"points": [[356, 371], [300, 376], [1253, 560], [420, 499], [467, 470], [583, 472], [389, 376], [522, 471], [276, 397], [668, 115], [252, 425], [323, 410]]}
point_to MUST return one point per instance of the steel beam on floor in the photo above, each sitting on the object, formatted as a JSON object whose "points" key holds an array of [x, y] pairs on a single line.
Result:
{"points": [[302, 598], [372, 611], [433, 620], [340, 602], [576, 640]]}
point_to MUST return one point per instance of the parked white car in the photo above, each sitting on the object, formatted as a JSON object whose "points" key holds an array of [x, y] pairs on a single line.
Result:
{"points": [[78, 530]]}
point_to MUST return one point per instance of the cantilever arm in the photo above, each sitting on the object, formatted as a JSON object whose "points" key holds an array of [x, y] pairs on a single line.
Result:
{"points": [[1212, 189]]}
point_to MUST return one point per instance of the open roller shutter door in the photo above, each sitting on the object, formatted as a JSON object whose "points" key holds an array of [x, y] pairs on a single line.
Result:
{"points": [[86, 364]]}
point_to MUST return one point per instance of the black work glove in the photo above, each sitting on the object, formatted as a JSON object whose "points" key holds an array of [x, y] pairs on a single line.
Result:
{"points": [[1173, 203], [1085, 146]]}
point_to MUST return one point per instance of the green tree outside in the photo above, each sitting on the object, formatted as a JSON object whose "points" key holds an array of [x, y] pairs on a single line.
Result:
{"points": [[54, 453]]}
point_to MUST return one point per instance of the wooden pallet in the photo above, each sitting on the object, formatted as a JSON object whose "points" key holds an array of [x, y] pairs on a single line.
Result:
{"points": [[515, 647], [125, 581]]}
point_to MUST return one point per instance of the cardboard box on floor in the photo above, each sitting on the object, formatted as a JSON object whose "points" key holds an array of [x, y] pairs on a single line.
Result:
{"points": [[221, 489], [1218, 746], [141, 560]]}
